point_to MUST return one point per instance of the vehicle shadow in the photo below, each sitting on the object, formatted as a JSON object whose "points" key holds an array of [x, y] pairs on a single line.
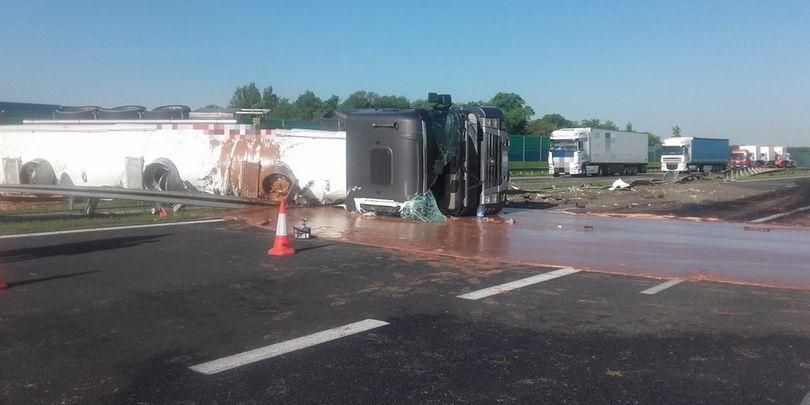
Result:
{"points": [[49, 278], [530, 205], [77, 248]]}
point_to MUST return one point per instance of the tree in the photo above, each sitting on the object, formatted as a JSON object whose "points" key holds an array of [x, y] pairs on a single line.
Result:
{"points": [[246, 97], [307, 106], [653, 139], [421, 103], [676, 131], [269, 99], [329, 104], [284, 110], [516, 111], [609, 125], [628, 127], [550, 122], [360, 99], [591, 123], [391, 102]]}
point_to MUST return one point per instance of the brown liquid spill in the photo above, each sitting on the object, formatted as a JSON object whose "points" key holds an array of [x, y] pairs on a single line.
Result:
{"points": [[715, 251]]}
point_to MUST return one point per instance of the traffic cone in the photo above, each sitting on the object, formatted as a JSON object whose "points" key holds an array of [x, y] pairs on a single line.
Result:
{"points": [[281, 245]]}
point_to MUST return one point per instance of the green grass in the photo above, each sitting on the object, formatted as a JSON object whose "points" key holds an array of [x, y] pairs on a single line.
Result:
{"points": [[16, 224], [527, 165], [528, 169]]}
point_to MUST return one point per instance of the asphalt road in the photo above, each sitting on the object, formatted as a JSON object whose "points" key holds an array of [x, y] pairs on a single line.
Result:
{"points": [[121, 317]]}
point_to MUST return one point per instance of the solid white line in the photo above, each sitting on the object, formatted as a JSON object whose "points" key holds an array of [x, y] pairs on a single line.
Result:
{"points": [[112, 228], [266, 352], [486, 292], [663, 286], [775, 216]]}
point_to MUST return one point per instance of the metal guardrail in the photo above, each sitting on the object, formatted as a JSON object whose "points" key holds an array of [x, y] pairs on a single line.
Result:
{"points": [[186, 198]]}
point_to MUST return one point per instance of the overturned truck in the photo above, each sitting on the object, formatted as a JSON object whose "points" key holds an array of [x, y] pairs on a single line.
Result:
{"points": [[427, 162], [424, 163]]}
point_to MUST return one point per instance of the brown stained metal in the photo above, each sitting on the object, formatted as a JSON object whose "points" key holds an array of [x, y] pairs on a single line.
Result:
{"points": [[233, 152], [276, 187], [648, 247], [249, 180]]}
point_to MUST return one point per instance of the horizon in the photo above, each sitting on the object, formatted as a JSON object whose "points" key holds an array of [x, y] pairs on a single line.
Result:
{"points": [[725, 69]]}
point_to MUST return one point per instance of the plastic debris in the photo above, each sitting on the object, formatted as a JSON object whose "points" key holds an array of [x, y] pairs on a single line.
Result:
{"points": [[424, 208], [619, 185]]}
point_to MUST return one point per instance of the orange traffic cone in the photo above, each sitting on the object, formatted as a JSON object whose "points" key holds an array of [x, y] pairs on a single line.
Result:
{"points": [[281, 245]]}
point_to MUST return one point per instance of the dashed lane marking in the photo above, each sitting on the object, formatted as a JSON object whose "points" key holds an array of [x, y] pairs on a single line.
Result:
{"points": [[112, 228], [663, 286], [486, 292], [266, 352]]}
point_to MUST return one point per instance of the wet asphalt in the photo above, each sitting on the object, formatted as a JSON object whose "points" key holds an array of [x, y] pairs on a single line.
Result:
{"points": [[120, 317]]}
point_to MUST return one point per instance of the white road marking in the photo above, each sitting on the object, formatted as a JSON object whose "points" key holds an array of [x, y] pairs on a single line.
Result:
{"points": [[663, 286], [266, 352], [780, 215], [486, 292], [806, 400], [112, 228]]}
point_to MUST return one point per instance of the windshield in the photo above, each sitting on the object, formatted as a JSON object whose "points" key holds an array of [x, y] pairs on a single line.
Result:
{"points": [[672, 150], [567, 145]]}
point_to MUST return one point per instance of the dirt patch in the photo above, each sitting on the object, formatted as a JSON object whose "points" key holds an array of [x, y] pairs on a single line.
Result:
{"points": [[701, 200]]}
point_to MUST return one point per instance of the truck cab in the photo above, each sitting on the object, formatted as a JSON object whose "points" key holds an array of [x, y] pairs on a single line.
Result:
{"points": [[675, 154], [740, 159], [568, 151], [693, 154], [458, 157]]}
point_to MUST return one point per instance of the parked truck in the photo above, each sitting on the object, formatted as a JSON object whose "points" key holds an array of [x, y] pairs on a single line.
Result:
{"points": [[593, 151], [740, 159], [459, 157], [766, 155], [692, 154]]}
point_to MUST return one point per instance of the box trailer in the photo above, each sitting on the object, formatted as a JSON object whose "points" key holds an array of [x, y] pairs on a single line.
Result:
{"points": [[593, 151], [690, 154]]}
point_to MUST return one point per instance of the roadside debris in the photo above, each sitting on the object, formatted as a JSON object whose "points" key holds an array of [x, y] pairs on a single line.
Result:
{"points": [[752, 229], [302, 231], [619, 185]]}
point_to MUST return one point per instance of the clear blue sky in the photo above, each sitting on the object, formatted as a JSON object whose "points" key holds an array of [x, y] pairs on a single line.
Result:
{"points": [[716, 68]]}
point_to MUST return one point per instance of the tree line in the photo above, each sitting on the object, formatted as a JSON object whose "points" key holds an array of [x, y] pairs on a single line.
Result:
{"points": [[519, 115]]}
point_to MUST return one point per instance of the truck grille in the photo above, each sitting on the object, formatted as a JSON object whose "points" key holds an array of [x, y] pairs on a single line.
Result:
{"points": [[493, 160]]}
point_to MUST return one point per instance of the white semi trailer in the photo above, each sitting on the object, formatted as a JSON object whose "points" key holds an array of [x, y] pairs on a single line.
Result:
{"points": [[593, 151], [213, 156]]}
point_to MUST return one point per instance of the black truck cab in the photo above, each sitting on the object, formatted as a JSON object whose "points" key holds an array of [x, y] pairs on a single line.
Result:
{"points": [[458, 155]]}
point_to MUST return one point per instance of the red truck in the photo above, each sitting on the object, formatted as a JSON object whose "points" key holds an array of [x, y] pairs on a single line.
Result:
{"points": [[740, 159]]}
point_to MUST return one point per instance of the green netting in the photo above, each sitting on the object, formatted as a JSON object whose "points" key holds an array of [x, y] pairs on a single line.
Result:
{"points": [[528, 148], [424, 208], [800, 156]]}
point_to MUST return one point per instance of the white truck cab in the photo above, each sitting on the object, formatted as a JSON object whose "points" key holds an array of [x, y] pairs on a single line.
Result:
{"points": [[675, 154], [568, 151]]}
